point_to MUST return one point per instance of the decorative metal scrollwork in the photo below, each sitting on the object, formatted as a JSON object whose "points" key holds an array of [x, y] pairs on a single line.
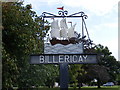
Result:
{"points": [[43, 14], [85, 16], [63, 13]]}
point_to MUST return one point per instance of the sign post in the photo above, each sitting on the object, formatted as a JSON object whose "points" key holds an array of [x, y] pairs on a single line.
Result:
{"points": [[64, 76], [66, 51]]}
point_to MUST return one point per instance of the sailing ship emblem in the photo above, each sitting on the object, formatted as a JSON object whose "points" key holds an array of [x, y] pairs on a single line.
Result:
{"points": [[62, 34]]}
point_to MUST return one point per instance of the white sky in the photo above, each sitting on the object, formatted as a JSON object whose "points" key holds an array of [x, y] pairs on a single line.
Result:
{"points": [[102, 22]]}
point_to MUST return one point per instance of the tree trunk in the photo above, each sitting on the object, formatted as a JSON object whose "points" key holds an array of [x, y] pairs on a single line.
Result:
{"points": [[98, 83], [79, 85]]}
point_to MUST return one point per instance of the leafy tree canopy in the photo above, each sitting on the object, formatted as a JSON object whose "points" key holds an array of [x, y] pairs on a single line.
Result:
{"points": [[23, 35]]}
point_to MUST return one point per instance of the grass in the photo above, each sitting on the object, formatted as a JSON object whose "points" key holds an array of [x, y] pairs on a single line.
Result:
{"points": [[84, 88]]}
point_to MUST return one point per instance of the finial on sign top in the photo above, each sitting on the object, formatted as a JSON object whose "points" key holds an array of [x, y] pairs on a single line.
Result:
{"points": [[62, 12]]}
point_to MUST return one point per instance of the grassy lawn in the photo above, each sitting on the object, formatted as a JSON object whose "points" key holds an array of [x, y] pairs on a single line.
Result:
{"points": [[84, 88], [71, 88]]}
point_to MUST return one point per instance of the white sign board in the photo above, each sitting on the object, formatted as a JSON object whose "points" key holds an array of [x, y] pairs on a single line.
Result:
{"points": [[63, 58]]}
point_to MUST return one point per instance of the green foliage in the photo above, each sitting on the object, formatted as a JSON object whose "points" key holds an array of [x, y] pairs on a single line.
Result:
{"points": [[107, 60], [77, 75], [23, 35], [108, 66], [10, 70], [118, 75], [52, 76], [97, 72], [106, 70]]}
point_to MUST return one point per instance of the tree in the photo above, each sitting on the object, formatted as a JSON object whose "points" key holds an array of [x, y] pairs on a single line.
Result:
{"points": [[106, 70], [52, 76], [118, 74], [97, 72], [22, 35], [10, 70], [107, 60], [77, 75]]}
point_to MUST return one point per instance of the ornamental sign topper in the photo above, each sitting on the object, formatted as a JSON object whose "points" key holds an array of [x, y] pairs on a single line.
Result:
{"points": [[63, 45]]}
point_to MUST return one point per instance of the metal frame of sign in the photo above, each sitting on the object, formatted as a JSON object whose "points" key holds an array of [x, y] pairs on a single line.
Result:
{"points": [[63, 14]]}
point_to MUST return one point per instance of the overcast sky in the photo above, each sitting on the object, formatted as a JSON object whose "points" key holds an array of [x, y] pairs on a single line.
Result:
{"points": [[102, 22]]}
